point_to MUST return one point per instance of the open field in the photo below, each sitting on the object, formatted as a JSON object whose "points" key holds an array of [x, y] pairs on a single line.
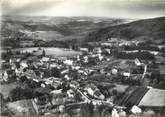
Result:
{"points": [[154, 97], [135, 97], [50, 51], [162, 69], [6, 88]]}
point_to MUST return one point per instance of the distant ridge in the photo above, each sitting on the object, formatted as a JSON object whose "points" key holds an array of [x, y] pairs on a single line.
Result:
{"points": [[141, 29]]}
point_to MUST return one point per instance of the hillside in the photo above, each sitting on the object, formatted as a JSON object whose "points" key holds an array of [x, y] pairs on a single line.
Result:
{"points": [[141, 29], [51, 29]]}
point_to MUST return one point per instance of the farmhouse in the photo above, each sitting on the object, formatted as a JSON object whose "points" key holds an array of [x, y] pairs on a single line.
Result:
{"points": [[94, 91]]}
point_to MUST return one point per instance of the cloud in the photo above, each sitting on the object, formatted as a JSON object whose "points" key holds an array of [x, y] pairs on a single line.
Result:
{"points": [[25, 7], [106, 8]]}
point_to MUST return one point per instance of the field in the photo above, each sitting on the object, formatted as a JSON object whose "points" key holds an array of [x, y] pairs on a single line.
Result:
{"points": [[162, 69], [135, 97], [50, 51], [6, 88], [154, 97], [22, 105]]}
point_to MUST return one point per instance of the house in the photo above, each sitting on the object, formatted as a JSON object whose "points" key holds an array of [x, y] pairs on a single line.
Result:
{"points": [[154, 52], [53, 65], [136, 110], [76, 67], [56, 92], [55, 82], [114, 71], [84, 49], [68, 62], [137, 62], [122, 113], [23, 64], [13, 66], [114, 113], [9, 75], [94, 91], [67, 77], [70, 93], [100, 57], [78, 58], [60, 100], [74, 84], [97, 50], [86, 59], [30, 74], [107, 44], [126, 74], [5, 76], [18, 71], [64, 71], [45, 59], [108, 51]]}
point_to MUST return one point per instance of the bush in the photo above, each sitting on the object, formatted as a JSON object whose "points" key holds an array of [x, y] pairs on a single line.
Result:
{"points": [[19, 93], [139, 55]]}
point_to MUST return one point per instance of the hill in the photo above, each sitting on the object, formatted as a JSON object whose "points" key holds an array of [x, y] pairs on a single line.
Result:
{"points": [[50, 29], [153, 29]]}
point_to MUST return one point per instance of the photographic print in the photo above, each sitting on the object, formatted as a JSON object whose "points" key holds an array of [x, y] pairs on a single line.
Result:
{"points": [[82, 58]]}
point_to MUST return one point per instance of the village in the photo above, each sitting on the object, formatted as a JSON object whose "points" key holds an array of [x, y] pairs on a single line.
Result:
{"points": [[113, 78]]}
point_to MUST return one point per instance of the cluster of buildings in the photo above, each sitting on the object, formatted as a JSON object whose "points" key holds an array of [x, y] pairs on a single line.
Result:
{"points": [[61, 85]]}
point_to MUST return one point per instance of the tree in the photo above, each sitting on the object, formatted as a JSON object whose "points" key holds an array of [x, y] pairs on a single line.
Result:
{"points": [[55, 72], [43, 53], [84, 111], [91, 107], [19, 93]]}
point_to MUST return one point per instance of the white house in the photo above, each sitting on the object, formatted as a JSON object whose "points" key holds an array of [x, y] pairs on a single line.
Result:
{"points": [[74, 84], [53, 65], [94, 91], [127, 74], [98, 50], [114, 71], [5, 76], [56, 91], [65, 71], [66, 77], [85, 59], [115, 113], [137, 62], [70, 93], [68, 62], [100, 57], [84, 49], [45, 59], [23, 64], [136, 110]]}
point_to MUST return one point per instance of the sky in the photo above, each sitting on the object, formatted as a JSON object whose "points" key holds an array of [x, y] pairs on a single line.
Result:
{"points": [[99, 8]]}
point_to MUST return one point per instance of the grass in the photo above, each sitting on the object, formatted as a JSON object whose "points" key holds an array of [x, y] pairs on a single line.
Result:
{"points": [[6, 88], [154, 97], [135, 97], [55, 52], [162, 69]]}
